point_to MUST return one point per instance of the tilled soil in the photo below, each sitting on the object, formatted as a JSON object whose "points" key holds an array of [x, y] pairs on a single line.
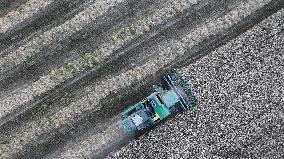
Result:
{"points": [[64, 79], [240, 112]]}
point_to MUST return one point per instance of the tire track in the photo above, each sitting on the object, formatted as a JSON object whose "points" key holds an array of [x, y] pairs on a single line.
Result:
{"points": [[51, 37], [70, 69], [78, 155], [165, 53], [52, 16], [8, 5], [240, 113], [54, 56], [22, 14], [96, 142]]}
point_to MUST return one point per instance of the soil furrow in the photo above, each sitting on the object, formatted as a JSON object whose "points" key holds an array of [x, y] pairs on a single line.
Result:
{"points": [[8, 5], [60, 33], [23, 14], [166, 52], [239, 114], [53, 16], [71, 49], [70, 69]]}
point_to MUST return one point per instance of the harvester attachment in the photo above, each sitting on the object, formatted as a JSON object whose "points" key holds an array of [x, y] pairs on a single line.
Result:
{"points": [[181, 88]]}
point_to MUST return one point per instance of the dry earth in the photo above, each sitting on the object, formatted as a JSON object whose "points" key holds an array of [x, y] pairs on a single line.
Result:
{"points": [[240, 87], [67, 68]]}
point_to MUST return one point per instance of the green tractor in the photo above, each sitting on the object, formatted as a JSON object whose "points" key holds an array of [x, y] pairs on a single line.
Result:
{"points": [[175, 96]]}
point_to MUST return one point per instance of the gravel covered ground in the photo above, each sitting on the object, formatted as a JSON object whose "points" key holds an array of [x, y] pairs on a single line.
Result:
{"points": [[240, 114]]}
